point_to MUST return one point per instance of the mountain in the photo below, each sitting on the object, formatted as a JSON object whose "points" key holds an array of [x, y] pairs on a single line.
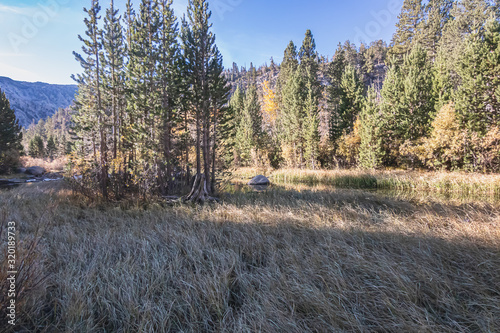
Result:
{"points": [[35, 101]]}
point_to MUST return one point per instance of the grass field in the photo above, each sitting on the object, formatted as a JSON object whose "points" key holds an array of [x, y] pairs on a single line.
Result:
{"points": [[295, 258]]}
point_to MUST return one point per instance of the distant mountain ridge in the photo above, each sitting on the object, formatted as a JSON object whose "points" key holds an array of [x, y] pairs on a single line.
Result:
{"points": [[34, 101]]}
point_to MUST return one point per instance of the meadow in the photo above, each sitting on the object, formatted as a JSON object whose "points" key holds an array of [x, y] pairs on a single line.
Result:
{"points": [[319, 252]]}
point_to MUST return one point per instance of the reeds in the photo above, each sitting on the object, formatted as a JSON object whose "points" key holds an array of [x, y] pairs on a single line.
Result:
{"points": [[441, 182]]}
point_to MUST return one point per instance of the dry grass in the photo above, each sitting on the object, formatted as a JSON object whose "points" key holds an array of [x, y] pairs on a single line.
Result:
{"points": [[287, 260], [56, 165]]}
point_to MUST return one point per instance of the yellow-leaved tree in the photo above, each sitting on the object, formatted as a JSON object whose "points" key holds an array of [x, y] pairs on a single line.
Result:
{"points": [[269, 107]]}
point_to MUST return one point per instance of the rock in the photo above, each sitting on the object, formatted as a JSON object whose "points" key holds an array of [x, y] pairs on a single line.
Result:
{"points": [[21, 170], [35, 171], [259, 180]]}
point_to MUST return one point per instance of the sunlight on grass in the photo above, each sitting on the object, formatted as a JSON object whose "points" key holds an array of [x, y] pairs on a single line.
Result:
{"points": [[289, 259]]}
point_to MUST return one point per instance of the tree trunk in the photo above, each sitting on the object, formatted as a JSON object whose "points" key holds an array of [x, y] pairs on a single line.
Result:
{"points": [[199, 192]]}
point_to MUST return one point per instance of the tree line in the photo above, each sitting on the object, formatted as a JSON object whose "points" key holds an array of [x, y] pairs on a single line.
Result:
{"points": [[428, 100]]}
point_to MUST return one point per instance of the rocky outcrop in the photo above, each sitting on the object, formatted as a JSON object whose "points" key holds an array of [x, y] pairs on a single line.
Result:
{"points": [[259, 180], [36, 171]]}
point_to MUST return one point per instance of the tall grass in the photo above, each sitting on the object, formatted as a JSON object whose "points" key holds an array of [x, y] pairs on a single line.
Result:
{"points": [[286, 260], [444, 182]]}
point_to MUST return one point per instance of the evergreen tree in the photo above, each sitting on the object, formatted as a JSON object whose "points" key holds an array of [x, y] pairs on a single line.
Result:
{"points": [[51, 149], [292, 118], [408, 102], [114, 68], [36, 147], [311, 127], [309, 70], [249, 134], [370, 150], [437, 14], [10, 135], [350, 101], [203, 65], [408, 27], [90, 120], [478, 96], [169, 75]]}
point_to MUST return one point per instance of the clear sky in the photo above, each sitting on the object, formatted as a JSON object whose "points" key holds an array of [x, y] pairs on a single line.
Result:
{"points": [[37, 37]]}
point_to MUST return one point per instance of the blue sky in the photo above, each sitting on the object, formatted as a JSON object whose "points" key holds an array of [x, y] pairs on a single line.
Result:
{"points": [[37, 37]]}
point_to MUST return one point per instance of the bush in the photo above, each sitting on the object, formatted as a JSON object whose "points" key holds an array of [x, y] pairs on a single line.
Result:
{"points": [[9, 161], [451, 148]]}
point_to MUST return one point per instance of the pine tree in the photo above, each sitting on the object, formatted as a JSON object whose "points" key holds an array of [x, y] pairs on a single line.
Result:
{"points": [[311, 127], [408, 27], [437, 14], [292, 118], [468, 17], [370, 151], [442, 83], [350, 101], [90, 120], [114, 70], [169, 74], [51, 149], [408, 101], [36, 147], [309, 68], [478, 96], [203, 65], [288, 66], [249, 134], [10, 135]]}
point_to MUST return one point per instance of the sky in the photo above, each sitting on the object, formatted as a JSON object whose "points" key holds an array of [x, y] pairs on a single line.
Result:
{"points": [[38, 37]]}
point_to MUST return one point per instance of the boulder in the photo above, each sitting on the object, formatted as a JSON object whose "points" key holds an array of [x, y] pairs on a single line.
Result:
{"points": [[35, 171], [259, 180], [21, 170]]}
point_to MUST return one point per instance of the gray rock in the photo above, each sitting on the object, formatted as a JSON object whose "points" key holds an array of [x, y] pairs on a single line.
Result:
{"points": [[35, 171], [21, 170], [259, 180]]}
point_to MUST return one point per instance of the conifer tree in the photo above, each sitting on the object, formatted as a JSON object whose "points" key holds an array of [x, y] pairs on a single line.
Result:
{"points": [[203, 69], [311, 127], [114, 67], [169, 73], [370, 150], [478, 96], [10, 135], [36, 147], [90, 120], [408, 101], [350, 101], [249, 134], [292, 117], [408, 27], [436, 15], [309, 70], [51, 149], [288, 66]]}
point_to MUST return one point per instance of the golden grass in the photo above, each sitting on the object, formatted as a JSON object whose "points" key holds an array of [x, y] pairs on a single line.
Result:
{"points": [[287, 260], [56, 165]]}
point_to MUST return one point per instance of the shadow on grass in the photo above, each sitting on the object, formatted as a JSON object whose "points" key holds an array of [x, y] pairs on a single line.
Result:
{"points": [[202, 269]]}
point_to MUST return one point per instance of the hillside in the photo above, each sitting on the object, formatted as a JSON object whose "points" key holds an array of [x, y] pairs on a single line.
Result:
{"points": [[35, 101]]}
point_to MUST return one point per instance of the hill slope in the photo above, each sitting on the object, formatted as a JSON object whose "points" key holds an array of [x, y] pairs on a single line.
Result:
{"points": [[35, 101]]}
